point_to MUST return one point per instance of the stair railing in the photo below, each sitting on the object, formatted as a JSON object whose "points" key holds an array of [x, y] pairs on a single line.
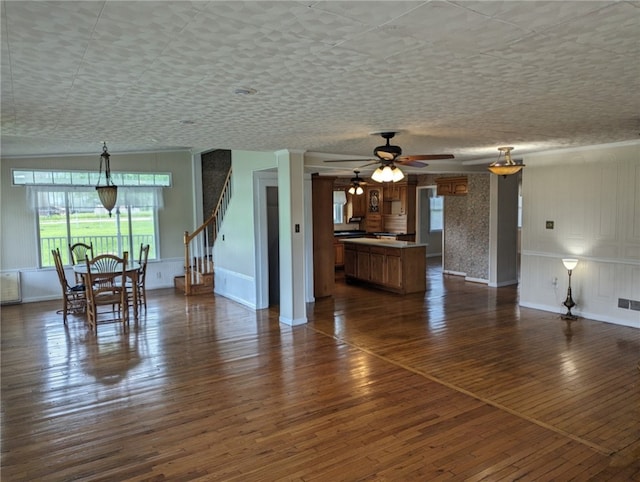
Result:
{"points": [[198, 246]]}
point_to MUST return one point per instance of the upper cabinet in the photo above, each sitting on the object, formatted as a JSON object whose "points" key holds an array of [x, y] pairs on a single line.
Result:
{"points": [[452, 186], [390, 207], [374, 199], [358, 205], [392, 191]]}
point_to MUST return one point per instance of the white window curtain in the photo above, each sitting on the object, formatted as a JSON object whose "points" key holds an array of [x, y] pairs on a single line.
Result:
{"points": [[85, 197]]}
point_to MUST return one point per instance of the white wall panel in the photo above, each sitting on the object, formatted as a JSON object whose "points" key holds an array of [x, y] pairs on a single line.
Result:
{"points": [[593, 197]]}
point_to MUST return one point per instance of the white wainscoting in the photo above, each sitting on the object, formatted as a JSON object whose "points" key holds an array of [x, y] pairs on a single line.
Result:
{"points": [[235, 286], [43, 285]]}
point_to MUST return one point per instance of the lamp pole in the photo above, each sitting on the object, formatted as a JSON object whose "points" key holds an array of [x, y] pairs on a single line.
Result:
{"points": [[569, 263]]}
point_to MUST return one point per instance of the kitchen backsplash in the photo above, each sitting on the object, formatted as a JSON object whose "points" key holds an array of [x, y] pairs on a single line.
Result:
{"points": [[346, 227]]}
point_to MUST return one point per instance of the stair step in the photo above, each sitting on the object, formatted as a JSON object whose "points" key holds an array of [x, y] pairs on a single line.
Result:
{"points": [[196, 288]]}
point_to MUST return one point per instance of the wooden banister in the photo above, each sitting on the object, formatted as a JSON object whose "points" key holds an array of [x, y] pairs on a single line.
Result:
{"points": [[198, 258]]}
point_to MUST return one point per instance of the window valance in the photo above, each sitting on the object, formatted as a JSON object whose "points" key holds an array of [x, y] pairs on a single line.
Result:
{"points": [[85, 197]]}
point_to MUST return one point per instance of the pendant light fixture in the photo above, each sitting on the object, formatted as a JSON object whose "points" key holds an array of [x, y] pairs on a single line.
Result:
{"points": [[108, 193], [505, 166]]}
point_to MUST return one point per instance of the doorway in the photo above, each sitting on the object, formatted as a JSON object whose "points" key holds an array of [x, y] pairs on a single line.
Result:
{"points": [[429, 221], [273, 245]]}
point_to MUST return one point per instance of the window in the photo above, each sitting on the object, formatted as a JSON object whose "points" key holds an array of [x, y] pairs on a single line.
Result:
{"points": [[36, 177], [339, 202], [436, 206], [68, 211]]}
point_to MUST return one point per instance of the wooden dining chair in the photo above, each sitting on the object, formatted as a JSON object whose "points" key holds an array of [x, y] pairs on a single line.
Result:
{"points": [[78, 252], [106, 286], [73, 297], [141, 286]]}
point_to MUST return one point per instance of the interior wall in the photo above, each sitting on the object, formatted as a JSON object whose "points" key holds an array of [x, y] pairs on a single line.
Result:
{"points": [[235, 255], [592, 196], [466, 230]]}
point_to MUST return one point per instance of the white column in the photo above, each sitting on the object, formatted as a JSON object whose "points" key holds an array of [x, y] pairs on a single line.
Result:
{"points": [[292, 236]]}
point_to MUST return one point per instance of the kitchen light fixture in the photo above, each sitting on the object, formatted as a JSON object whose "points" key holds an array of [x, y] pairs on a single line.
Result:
{"points": [[569, 264], [355, 187], [505, 166], [108, 193], [387, 173]]}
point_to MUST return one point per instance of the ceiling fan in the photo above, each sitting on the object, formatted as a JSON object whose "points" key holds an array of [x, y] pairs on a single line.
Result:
{"points": [[356, 183], [389, 155]]}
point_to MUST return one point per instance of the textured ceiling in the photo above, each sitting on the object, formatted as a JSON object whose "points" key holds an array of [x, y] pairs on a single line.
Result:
{"points": [[461, 77]]}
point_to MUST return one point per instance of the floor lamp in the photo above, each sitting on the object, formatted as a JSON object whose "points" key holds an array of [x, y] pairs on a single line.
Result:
{"points": [[569, 264]]}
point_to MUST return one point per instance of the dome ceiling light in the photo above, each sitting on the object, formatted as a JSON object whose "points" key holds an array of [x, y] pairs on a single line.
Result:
{"points": [[505, 166]]}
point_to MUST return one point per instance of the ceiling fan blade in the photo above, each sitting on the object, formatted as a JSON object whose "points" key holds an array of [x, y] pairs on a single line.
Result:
{"points": [[372, 163], [349, 160], [411, 163], [426, 157]]}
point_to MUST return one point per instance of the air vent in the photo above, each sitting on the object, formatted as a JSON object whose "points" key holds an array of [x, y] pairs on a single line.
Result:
{"points": [[10, 288]]}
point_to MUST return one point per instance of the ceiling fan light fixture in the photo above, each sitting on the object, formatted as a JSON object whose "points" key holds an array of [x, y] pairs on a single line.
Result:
{"points": [[505, 166], [377, 175], [354, 187], [398, 175], [387, 174]]}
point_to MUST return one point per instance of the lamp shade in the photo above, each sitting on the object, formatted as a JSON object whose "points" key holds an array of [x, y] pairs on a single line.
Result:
{"points": [[377, 175], [569, 263], [505, 166], [108, 196], [398, 175], [359, 191], [351, 190], [108, 193], [504, 170]]}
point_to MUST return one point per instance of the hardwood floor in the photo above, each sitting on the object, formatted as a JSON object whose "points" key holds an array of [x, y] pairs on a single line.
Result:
{"points": [[458, 383]]}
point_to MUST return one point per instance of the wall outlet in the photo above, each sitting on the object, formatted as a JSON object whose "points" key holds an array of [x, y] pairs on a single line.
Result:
{"points": [[159, 275], [554, 282]]}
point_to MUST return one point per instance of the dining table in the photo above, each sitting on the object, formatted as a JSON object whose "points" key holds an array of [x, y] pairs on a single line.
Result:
{"points": [[132, 270]]}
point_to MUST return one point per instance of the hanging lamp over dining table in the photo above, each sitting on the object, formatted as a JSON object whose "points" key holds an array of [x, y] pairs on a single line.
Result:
{"points": [[108, 193]]}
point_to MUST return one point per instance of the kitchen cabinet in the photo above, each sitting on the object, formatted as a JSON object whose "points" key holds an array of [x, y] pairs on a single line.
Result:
{"points": [[376, 265], [399, 212], [374, 204], [374, 200], [452, 186], [350, 261], [374, 223], [397, 266], [402, 197], [339, 252], [363, 270], [394, 269], [358, 205], [391, 191]]}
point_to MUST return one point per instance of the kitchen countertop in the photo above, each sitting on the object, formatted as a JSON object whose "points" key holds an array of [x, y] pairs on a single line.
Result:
{"points": [[390, 243]]}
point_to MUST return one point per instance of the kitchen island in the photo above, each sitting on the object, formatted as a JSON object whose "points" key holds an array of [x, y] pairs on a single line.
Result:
{"points": [[398, 266]]}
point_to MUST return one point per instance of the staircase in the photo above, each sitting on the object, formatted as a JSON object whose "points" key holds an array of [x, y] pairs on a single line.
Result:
{"points": [[198, 249]]}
